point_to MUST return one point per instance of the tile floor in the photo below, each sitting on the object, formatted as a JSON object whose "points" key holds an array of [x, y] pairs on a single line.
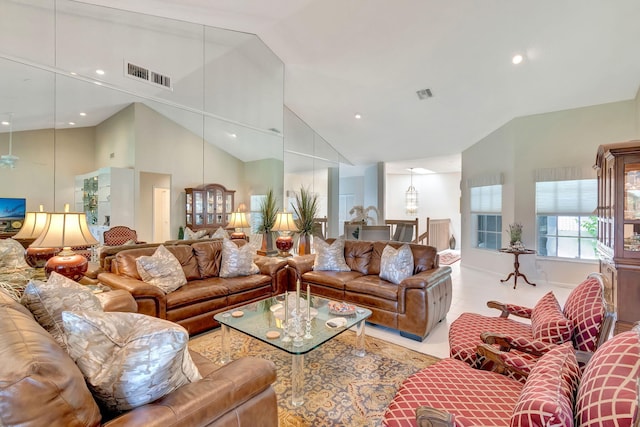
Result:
{"points": [[471, 290]]}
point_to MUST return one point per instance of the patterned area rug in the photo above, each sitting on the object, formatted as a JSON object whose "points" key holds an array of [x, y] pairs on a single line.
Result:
{"points": [[341, 389], [449, 257]]}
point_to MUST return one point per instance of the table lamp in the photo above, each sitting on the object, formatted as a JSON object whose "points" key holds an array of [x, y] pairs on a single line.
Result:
{"points": [[34, 224], [285, 225], [64, 230], [238, 221]]}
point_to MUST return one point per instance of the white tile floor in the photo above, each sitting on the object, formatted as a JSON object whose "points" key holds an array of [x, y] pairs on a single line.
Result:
{"points": [[471, 290]]}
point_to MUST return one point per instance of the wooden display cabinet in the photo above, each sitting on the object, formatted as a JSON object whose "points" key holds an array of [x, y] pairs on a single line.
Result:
{"points": [[618, 211], [208, 206]]}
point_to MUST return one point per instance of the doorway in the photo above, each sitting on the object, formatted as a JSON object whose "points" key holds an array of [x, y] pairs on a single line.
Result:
{"points": [[161, 214]]}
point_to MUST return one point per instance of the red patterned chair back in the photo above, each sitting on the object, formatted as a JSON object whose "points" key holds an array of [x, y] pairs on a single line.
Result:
{"points": [[119, 235]]}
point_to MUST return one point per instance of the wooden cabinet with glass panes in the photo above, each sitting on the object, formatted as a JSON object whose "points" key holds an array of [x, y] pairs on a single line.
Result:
{"points": [[618, 168], [208, 206]]}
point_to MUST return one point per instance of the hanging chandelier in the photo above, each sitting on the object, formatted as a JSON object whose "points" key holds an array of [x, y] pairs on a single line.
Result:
{"points": [[411, 198], [9, 160]]}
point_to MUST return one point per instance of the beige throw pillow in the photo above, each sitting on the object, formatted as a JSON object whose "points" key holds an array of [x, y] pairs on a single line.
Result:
{"points": [[12, 255], [396, 265], [329, 257], [237, 261], [129, 359], [220, 233], [162, 269], [47, 300], [193, 235]]}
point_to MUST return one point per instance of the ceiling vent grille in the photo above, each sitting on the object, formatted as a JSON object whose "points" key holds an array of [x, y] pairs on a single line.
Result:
{"points": [[141, 73], [424, 94]]}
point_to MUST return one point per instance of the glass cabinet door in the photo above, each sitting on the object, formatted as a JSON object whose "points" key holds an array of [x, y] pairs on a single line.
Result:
{"points": [[219, 207], [189, 210], [198, 207], [631, 198], [210, 207]]}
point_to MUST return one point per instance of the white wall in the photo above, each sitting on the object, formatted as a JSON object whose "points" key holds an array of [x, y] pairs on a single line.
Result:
{"points": [[517, 149]]}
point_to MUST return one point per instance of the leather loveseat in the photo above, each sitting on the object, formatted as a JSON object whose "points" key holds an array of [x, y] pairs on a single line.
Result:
{"points": [[413, 307], [194, 304], [40, 385]]}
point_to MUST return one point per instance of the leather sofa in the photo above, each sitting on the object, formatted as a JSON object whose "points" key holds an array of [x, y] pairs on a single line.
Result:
{"points": [[40, 385], [413, 307], [194, 304]]}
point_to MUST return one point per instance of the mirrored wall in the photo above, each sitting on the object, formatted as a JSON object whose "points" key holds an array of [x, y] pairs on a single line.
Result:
{"points": [[179, 104]]}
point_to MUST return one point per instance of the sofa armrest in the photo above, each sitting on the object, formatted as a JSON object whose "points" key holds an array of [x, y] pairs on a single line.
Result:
{"points": [[424, 279], [426, 416], [203, 402], [302, 264], [140, 291], [117, 300]]}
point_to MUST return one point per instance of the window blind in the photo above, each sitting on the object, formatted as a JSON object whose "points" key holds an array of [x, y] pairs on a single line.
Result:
{"points": [[572, 197], [486, 199]]}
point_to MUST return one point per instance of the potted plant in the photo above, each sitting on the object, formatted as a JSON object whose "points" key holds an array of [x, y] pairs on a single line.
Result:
{"points": [[305, 209], [515, 235], [268, 210]]}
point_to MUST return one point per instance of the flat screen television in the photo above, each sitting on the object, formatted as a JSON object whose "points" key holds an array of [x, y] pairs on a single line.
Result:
{"points": [[12, 209]]}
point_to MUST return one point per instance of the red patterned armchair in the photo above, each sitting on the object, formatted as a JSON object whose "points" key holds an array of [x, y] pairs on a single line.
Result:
{"points": [[587, 321], [120, 235], [557, 392]]}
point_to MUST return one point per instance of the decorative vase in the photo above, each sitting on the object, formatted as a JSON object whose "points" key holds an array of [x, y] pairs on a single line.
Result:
{"points": [[267, 247], [304, 244], [452, 242]]}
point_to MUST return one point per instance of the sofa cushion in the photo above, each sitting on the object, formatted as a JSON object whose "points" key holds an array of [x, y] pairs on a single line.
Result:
{"points": [[129, 359], [40, 383], [357, 255], [548, 324], [547, 396], [162, 269], [47, 300], [584, 307], [329, 257], [209, 256], [237, 261], [607, 394], [396, 264]]}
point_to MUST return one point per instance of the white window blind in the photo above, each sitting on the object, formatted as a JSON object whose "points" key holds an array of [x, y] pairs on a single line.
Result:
{"points": [[486, 199], [572, 197]]}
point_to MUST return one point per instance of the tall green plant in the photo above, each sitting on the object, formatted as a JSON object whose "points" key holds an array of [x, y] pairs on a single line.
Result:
{"points": [[306, 209], [268, 210]]}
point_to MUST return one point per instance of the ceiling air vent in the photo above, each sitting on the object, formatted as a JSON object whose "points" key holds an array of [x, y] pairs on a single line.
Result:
{"points": [[141, 73], [424, 94]]}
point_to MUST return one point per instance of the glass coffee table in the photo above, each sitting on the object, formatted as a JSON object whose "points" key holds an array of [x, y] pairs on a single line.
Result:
{"points": [[263, 320]]}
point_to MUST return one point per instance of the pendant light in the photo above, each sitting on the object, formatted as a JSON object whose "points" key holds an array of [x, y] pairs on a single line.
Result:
{"points": [[411, 198], [9, 160]]}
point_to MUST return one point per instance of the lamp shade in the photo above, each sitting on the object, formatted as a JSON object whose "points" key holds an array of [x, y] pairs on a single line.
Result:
{"points": [[34, 223], [284, 222], [238, 220]]}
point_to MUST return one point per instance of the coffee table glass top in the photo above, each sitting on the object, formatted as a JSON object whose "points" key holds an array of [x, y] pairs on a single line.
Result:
{"points": [[258, 319]]}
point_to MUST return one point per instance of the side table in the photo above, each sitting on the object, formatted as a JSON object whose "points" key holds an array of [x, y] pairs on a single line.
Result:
{"points": [[516, 265]]}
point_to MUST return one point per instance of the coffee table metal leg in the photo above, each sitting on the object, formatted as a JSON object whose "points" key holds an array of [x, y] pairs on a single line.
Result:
{"points": [[225, 356], [297, 380], [359, 351]]}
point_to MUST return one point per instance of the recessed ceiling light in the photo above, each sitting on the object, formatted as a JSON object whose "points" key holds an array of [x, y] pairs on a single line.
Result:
{"points": [[72, 123], [73, 73], [5, 123], [98, 83], [358, 116], [100, 72], [83, 114], [420, 170], [517, 59], [233, 135]]}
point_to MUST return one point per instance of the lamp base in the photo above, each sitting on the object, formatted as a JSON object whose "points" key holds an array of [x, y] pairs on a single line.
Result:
{"points": [[72, 266], [38, 257], [284, 245], [238, 235]]}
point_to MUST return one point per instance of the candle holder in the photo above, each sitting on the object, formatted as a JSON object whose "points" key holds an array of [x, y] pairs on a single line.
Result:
{"points": [[307, 335], [285, 330]]}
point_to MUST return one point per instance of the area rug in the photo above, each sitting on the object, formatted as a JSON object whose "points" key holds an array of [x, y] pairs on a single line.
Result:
{"points": [[449, 257], [341, 389]]}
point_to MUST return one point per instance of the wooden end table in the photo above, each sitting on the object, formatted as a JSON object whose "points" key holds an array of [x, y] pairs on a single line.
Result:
{"points": [[516, 265]]}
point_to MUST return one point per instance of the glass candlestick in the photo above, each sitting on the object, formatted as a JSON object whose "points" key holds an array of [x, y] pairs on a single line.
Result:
{"points": [[307, 335]]}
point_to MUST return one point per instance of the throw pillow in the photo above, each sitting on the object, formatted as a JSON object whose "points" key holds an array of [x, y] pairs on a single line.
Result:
{"points": [[547, 397], [237, 261], [193, 235], [12, 255], [220, 233], [47, 300], [329, 257], [548, 324], [129, 359], [396, 264], [162, 269]]}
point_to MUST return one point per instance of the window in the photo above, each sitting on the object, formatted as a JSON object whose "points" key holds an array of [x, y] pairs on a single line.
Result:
{"points": [[566, 226], [486, 216]]}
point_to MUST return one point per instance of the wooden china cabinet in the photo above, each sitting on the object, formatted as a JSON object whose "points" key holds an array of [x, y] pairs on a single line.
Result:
{"points": [[618, 211], [208, 206]]}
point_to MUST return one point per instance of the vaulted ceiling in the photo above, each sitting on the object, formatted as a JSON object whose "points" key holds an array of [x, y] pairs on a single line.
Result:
{"points": [[370, 57]]}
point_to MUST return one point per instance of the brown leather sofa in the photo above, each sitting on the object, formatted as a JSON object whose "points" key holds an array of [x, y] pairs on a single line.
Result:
{"points": [[193, 305], [40, 385], [413, 307]]}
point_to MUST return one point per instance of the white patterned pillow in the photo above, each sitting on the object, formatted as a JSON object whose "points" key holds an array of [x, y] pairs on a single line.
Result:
{"points": [[237, 261], [329, 257], [129, 359], [220, 233], [162, 269], [396, 264], [12, 255], [47, 300], [193, 235]]}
